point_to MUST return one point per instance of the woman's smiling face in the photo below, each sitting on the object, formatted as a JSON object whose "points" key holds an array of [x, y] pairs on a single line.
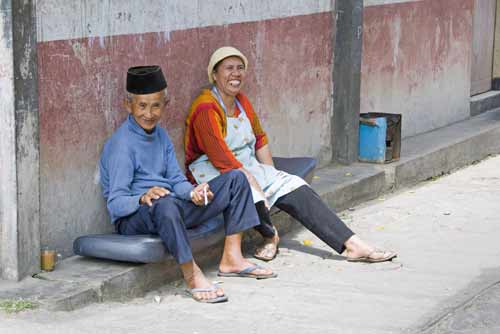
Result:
{"points": [[229, 76]]}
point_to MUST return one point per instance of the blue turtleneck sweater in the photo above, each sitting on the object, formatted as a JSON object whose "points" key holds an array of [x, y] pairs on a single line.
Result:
{"points": [[133, 161]]}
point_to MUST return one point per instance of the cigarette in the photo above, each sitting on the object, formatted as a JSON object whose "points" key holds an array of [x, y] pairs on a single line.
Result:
{"points": [[205, 195]]}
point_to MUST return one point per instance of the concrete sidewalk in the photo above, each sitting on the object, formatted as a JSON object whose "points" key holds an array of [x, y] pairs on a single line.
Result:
{"points": [[445, 231], [79, 281]]}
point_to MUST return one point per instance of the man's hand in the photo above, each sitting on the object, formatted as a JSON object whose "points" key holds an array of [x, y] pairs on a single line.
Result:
{"points": [[198, 194], [153, 193]]}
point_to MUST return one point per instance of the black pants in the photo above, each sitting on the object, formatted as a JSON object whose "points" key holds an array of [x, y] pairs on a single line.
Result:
{"points": [[305, 205]]}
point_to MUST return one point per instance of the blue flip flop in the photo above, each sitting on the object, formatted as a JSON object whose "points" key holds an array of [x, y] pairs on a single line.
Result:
{"points": [[247, 272], [219, 299]]}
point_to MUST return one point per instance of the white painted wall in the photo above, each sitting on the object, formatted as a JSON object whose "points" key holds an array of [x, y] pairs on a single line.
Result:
{"points": [[99, 18], [368, 3]]}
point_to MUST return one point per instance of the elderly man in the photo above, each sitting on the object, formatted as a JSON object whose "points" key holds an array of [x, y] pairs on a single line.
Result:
{"points": [[147, 193]]}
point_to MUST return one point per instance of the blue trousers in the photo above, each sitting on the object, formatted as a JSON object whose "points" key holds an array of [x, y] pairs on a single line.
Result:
{"points": [[169, 217]]}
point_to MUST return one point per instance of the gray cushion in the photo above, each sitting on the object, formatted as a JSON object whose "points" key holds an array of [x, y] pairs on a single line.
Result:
{"points": [[150, 248], [145, 248], [303, 167]]}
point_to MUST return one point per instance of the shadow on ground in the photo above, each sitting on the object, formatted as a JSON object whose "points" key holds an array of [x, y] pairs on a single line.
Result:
{"points": [[474, 310]]}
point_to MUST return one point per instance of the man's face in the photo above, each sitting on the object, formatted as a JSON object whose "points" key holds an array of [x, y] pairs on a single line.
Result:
{"points": [[147, 109]]}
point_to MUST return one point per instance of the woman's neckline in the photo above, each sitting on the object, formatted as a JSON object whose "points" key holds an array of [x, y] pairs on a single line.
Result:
{"points": [[233, 114], [235, 108]]}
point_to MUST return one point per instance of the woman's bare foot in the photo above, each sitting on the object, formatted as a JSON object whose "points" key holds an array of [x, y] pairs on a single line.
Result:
{"points": [[195, 279], [269, 249], [359, 251]]}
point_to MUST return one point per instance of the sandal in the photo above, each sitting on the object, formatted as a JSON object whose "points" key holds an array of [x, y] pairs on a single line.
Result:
{"points": [[248, 273], [267, 252], [214, 300], [388, 256]]}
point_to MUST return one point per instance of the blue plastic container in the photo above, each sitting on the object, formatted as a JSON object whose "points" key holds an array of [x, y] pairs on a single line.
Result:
{"points": [[372, 140]]}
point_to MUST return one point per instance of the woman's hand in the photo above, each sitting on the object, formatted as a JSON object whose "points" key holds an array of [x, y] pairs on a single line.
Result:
{"points": [[152, 194], [255, 185], [264, 155], [199, 192]]}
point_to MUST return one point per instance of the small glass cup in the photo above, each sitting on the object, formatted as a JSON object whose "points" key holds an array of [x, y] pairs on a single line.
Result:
{"points": [[48, 259]]}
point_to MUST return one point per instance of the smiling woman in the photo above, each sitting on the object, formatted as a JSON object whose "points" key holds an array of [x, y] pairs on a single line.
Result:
{"points": [[229, 75], [223, 133], [227, 70]]}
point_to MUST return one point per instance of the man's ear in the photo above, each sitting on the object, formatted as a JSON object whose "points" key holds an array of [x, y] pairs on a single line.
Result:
{"points": [[128, 105]]}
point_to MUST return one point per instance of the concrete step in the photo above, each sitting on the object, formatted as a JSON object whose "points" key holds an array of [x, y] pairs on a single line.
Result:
{"points": [[78, 281], [441, 151], [484, 102]]}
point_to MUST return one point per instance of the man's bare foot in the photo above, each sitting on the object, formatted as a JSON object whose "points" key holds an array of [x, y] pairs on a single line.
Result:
{"points": [[269, 249], [241, 269], [195, 279], [233, 261]]}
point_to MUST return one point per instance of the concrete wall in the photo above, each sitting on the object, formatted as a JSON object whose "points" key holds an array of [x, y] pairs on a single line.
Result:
{"points": [[347, 73], [417, 61], [483, 36], [8, 189], [85, 47], [27, 136], [19, 177], [496, 52]]}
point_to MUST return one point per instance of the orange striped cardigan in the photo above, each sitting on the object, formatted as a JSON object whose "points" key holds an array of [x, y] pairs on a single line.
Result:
{"points": [[206, 128]]}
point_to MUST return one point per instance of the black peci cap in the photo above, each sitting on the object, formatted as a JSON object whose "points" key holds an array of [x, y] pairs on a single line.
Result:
{"points": [[145, 80]]}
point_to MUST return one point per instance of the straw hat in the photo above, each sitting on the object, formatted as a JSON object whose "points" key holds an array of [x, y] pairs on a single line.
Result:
{"points": [[221, 54]]}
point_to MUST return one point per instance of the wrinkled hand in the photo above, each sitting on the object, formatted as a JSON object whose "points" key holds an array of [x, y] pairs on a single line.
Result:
{"points": [[266, 203], [198, 194], [152, 194], [255, 185]]}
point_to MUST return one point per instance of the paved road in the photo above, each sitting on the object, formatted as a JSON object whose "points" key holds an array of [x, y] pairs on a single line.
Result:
{"points": [[480, 315], [446, 232]]}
